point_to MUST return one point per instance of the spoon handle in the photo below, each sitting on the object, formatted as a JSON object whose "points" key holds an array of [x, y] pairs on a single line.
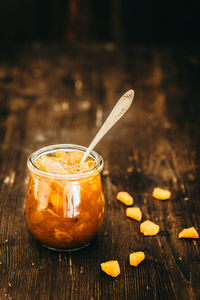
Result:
{"points": [[118, 111]]}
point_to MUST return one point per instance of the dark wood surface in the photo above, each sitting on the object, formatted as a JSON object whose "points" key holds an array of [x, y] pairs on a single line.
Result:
{"points": [[61, 94]]}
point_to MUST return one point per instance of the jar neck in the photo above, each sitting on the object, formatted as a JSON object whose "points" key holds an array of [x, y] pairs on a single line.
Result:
{"points": [[49, 150]]}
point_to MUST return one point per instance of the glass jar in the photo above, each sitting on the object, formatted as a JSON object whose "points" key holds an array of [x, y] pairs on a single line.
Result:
{"points": [[64, 212]]}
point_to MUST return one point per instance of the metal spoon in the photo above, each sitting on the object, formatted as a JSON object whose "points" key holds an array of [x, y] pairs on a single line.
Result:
{"points": [[118, 111]]}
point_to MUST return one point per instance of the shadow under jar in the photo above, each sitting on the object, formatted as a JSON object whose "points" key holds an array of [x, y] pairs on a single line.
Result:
{"points": [[64, 212]]}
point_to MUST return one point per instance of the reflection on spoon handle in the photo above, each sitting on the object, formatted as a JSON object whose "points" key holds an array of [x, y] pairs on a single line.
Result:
{"points": [[118, 111]]}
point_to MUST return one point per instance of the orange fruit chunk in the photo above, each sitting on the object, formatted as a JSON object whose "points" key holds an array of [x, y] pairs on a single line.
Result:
{"points": [[61, 154], [134, 213], [54, 199], [161, 194], [86, 166], [75, 157], [51, 165], [136, 258], [190, 233], [111, 268], [38, 163], [125, 198], [62, 236], [149, 228], [37, 217]]}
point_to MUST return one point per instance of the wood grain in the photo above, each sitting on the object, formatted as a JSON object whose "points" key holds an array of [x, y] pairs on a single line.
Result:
{"points": [[61, 94]]}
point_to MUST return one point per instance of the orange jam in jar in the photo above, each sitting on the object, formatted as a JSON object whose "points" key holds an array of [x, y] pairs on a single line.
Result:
{"points": [[65, 201]]}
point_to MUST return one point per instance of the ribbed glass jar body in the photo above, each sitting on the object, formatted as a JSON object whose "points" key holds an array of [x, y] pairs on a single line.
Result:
{"points": [[64, 212]]}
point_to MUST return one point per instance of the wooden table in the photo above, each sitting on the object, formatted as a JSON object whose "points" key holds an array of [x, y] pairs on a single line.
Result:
{"points": [[61, 94]]}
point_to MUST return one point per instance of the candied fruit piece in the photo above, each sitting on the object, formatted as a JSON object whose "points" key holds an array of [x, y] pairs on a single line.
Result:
{"points": [[161, 194], [149, 228], [134, 213], [62, 236], [125, 198], [75, 157], [51, 165], [136, 258], [84, 167], [91, 163], [111, 268], [56, 200], [36, 217], [38, 163], [80, 228], [61, 154], [189, 233]]}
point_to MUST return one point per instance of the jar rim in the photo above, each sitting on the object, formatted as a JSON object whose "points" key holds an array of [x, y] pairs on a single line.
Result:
{"points": [[63, 147]]}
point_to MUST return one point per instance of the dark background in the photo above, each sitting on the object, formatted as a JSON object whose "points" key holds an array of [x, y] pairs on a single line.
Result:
{"points": [[106, 20]]}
